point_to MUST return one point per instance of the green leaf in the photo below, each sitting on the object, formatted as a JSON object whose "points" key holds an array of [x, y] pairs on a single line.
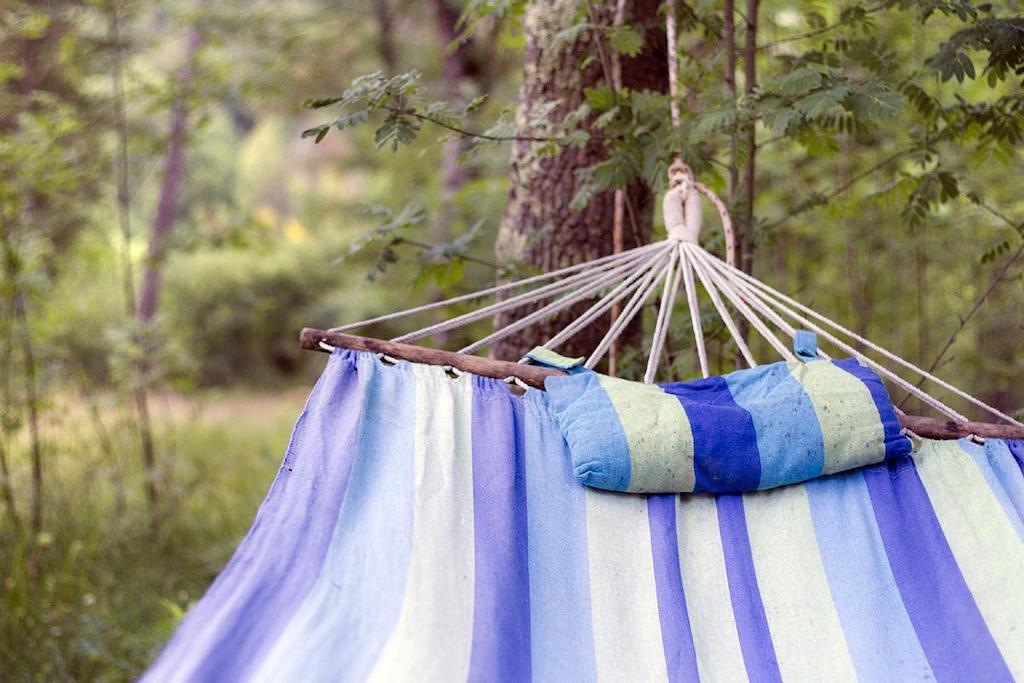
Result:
{"points": [[600, 99], [317, 133], [796, 82], [716, 119], [875, 103], [474, 104], [319, 103], [817, 103], [779, 120], [625, 39], [605, 119]]}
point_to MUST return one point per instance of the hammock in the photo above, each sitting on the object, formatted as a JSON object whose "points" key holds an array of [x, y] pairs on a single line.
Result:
{"points": [[429, 528]]}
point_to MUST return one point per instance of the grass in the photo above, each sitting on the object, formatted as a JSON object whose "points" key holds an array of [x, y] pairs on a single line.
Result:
{"points": [[97, 593]]}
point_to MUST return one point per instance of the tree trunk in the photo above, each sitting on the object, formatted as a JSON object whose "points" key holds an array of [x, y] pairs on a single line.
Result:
{"points": [[6, 401], [539, 228], [163, 221], [385, 17], [170, 188]]}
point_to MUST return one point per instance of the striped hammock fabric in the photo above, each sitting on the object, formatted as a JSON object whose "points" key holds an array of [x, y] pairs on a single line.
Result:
{"points": [[431, 529]]}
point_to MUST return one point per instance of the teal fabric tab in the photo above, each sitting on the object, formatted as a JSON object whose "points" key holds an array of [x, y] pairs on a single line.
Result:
{"points": [[547, 357], [805, 345]]}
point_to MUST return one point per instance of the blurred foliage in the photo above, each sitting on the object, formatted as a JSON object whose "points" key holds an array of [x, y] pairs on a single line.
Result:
{"points": [[889, 143]]}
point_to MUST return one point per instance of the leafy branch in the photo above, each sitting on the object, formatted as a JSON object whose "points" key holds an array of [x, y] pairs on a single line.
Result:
{"points": [[441, 263], [400, 100]]}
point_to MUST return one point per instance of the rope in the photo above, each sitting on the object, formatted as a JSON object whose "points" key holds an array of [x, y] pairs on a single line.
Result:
{"points": [[491, 290], [741, 306], [668, 300], [648, 284], [723, 312], [869, 344], [582, 277], [624, 289], [691, 298], [846, 348], [597, 285]]}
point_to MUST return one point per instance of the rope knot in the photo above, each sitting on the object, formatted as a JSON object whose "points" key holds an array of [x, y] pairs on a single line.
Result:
{"points": [[680, 176]]}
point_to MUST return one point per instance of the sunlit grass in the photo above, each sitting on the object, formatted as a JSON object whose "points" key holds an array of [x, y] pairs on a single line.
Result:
{"points": [[97, 593]]}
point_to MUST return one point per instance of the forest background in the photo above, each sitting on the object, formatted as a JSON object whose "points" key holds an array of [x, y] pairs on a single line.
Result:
{"points": [[184, 185]]}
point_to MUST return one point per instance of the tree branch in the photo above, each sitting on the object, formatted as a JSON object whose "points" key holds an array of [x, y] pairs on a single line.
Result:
{"points": [[468, 133], [821, 200], [812, 33], [427, 247], [999, 278]]}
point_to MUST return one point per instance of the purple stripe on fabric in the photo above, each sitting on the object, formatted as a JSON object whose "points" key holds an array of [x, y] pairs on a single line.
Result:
{"points": [[951, 630], [225, 635], [676, 638], [751, 622], [725, 455], [501, 608], [1017, 450], [896, 445]]}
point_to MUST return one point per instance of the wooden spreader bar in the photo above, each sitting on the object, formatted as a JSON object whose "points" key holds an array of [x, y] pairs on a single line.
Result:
{"points": [[534, 376]]}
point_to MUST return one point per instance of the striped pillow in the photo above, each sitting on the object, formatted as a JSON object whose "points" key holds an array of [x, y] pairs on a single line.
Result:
{"points": [[752, 429]]}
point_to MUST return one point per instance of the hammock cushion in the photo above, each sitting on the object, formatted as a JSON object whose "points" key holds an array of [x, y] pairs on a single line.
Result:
{"points": [[752, 429], [428, 529]]}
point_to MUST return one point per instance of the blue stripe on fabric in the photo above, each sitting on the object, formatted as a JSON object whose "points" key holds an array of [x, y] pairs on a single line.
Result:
{"points": [[277, 563], [949, 626], [863, 589], [789, 437], [583, 404], [501, 607], [342, 625], [1003, 477], [896, 444], [676, 637], [724, 439], [561, 631], [751, 623]]}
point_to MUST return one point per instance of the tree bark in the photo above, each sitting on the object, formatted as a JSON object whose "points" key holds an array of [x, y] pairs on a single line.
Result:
{"points": [[539, 228]]}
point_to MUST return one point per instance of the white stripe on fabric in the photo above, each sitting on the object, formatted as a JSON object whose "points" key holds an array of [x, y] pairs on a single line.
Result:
{"points": [[658, 435], [851, 430], [708, 601], [433, 637], [805, 627], [984, 543], [624, 600]]}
